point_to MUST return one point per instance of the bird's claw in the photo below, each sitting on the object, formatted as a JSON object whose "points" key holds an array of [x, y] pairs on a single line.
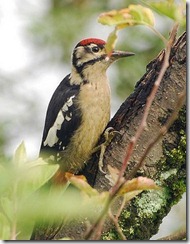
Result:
{"points": [[108, 135]]}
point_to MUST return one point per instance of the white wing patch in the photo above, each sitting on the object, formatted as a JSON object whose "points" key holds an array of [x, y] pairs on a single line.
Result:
{"points": [[52, 138]]}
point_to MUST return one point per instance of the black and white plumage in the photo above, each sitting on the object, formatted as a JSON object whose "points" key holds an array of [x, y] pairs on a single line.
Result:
{"points": [[79, 109], [62, 119]]}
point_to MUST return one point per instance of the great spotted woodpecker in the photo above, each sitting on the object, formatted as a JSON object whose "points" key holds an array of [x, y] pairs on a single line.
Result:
{"points": [[79, 109]]}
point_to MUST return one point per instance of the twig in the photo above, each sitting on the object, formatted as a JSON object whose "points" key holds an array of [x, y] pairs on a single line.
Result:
{"points": [[116, 217], [121, 207], [118, 229], [94, 232], [158, 34], [180, 235]]}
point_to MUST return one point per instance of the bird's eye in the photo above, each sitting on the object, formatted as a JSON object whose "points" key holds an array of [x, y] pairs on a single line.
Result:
{"points": [[95, 49]]}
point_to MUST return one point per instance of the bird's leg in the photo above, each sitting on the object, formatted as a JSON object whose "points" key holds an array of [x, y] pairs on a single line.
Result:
{"points": [[108, 135]]}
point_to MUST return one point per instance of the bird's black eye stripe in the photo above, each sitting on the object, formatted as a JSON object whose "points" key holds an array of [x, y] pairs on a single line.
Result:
{"points": [[95, 49]]}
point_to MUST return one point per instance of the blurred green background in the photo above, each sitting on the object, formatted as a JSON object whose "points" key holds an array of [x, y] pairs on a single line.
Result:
{"points": [[37, 39]]}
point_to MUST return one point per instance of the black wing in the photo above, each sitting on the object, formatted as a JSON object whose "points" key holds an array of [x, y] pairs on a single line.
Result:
{"points": [[63, 117]]}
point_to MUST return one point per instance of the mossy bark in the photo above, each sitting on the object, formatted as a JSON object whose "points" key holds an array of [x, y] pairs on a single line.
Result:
{"points": [[142, 217]]}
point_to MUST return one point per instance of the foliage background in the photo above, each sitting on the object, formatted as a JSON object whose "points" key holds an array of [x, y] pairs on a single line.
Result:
{"points": [[37, 38]]}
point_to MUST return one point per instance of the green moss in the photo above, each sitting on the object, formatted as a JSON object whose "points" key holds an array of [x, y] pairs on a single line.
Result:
{"points": [[112, 235], [140, 214], [177, 155], [172, 169], [148, 212]]}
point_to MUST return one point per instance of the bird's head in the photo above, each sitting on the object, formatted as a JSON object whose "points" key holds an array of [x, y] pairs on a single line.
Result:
{"points": [[91, 52]]}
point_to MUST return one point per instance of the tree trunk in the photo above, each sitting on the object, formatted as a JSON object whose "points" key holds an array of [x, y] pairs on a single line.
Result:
{"points": [[165, 163]]}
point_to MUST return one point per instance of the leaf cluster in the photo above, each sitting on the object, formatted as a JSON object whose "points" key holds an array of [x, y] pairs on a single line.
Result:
{"points": [[26, 196]]}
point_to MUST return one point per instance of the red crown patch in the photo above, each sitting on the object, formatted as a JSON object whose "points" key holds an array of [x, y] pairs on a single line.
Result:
{"points": [[91, 40]]}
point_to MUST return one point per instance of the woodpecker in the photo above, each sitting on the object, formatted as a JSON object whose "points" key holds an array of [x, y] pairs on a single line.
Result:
{"points": [[79, 109]]}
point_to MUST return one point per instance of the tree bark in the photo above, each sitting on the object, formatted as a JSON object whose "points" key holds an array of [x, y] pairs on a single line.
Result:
{"points": [[165, 163]]}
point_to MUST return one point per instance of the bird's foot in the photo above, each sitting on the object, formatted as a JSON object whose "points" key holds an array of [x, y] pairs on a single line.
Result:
{"points": [[109, 134]]}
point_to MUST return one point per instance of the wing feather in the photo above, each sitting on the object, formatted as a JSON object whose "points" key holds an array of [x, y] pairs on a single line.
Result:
{"points": [[63, 117]]}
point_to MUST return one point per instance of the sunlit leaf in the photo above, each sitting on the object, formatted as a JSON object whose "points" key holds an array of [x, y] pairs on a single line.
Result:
{"points": [[110, 44], [131, 195], [133, 15], [142, 15], [48, 206], [138, 184], [43, 205], [5, 228], [116, 17], [171, 9], [81, 183], [35, 174], [20, 156], [5, 179], [7, 208]]}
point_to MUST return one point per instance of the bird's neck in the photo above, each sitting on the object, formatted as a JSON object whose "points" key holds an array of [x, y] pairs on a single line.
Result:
{"points": [[91, 74]]}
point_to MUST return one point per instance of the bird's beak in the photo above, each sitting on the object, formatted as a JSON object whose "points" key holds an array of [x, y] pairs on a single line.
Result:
{"points": [[120, 54]]}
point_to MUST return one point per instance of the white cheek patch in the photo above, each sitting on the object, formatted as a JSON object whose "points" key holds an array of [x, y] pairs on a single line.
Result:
{"points": [[52, 138]]}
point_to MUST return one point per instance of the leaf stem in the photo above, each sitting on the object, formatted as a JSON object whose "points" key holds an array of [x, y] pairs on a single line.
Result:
{"points": [[158, 34]]}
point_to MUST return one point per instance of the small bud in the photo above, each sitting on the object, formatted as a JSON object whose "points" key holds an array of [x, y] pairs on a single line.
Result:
{"points": [[107, 59]]}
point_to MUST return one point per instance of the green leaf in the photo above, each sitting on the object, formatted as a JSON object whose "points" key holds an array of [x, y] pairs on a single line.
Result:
{"points": [[142, 15], [5, 179], [80, 182], [5, 228], [110, 44], [47, 206], [133, 15], [171, 9], [6, 218], [116, 18], [20, 156], [34, 175], [130, 195], [7, 208]]}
